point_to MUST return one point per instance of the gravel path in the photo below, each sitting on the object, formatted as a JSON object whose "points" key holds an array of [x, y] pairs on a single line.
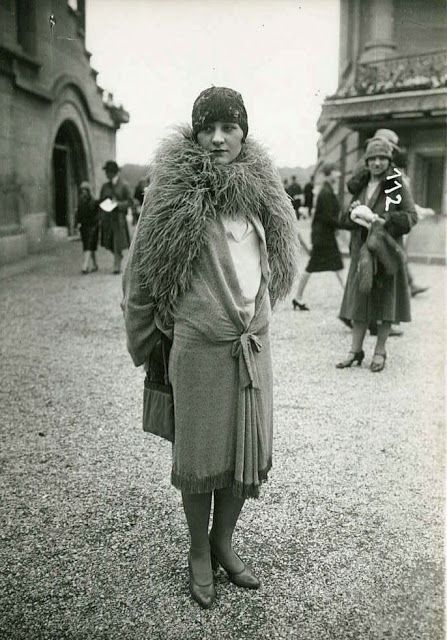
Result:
{"points": [[347, 536]]}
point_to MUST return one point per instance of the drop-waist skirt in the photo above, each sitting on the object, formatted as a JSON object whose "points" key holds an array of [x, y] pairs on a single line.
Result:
{"points": [[223, 429]]}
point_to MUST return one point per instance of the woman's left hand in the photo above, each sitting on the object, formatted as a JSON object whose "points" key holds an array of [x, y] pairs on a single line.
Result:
{"points": [[354, 204], [362, 215]]}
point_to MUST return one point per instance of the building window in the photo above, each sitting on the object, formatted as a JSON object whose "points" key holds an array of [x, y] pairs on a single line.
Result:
{"points": [[26, 25], [429, 180], [78, 9]]}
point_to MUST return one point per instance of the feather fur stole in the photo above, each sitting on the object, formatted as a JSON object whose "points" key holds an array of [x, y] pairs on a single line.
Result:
{"points": [[187, 189]]}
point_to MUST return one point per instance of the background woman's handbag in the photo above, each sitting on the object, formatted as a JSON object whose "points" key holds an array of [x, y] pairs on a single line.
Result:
{"points": [[365, 269], [389, 252], [158, 401]]}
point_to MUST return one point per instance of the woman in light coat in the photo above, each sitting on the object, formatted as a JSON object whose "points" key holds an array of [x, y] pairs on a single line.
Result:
{"points": [[214, 250]]}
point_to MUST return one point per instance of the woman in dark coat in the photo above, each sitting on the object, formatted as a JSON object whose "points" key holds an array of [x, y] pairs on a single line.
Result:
{"points": [[388, 299], [214, 249], [325, 254], [309, 195], [114, 231], [87, 218]]}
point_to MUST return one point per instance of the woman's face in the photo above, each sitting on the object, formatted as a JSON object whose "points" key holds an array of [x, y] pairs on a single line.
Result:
{"points": [[334, 178], [378, 165], [223, 140]]}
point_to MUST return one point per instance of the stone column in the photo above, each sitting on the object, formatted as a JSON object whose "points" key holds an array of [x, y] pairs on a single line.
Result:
{"points": [[380, 43]]}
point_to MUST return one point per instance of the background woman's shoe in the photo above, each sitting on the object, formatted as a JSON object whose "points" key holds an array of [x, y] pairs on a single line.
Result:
{"points": [[300, 306], [415, 290], [356, 356], [378, 362], [245, 578], [203, 594]]}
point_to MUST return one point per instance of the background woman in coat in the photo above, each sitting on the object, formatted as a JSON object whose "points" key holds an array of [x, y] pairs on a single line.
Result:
{"points": [[309, 195], [325, 254], [388, 301], [214, 249], [87, 218], [114, 231], [400, 160]]}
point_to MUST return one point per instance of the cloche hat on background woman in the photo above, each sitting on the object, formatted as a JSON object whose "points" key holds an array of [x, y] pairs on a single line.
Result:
{"points": [[86, 185], [378, 147]]}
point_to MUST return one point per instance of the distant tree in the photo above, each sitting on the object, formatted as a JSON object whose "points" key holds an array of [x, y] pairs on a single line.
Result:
{"points": [[133, 173], [302, 174]]}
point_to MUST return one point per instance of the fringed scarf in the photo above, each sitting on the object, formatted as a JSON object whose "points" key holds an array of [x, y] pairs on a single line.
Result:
{"points": [[187, 189]]}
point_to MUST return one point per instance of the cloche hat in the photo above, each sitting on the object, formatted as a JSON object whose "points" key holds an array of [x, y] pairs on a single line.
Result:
{"points": [[378, 147], [219, 104]]}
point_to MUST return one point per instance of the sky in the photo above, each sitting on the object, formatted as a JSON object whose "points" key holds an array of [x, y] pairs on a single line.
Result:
{"points": [[155, 56]]}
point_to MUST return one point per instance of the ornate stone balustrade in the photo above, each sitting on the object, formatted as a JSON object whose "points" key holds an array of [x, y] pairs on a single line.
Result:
{"points": [[410, 73]]}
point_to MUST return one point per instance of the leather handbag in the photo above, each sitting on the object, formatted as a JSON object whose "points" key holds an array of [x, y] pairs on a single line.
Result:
{"points": [[158, 400]]}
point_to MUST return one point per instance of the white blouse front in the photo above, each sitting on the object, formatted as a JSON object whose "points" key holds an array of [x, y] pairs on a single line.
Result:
{"points": [[243, 243]]}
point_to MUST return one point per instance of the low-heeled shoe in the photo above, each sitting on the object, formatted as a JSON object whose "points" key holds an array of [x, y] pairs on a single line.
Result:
{"points": [[205, 594], [245, 578]]}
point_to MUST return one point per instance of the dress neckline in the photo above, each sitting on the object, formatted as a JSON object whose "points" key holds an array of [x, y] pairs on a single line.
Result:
{"points": [[264, 264], [239, 229]]}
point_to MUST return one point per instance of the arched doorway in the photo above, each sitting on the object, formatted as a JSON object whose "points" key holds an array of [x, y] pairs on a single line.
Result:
{"points": [[69, 170]]}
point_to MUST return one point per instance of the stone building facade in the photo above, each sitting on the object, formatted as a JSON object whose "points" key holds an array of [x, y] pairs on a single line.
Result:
{"points": [[393, 74], [57, 128]]}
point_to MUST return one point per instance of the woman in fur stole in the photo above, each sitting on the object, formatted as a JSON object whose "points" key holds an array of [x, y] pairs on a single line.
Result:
{"points": [[214, 250], [388, 300]]}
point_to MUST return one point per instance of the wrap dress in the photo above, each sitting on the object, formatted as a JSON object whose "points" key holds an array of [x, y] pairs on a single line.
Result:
{"points": [[181, 280], [221, 374]]}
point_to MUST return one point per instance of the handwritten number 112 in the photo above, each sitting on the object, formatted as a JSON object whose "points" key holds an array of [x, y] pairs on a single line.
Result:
{"points": [[398, 185]]}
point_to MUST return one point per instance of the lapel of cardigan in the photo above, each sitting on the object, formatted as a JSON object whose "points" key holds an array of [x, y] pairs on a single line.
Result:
{"points": [[265, 267], [262, 247]]}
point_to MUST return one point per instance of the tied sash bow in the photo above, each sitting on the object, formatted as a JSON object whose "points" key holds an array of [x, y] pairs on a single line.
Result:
{"points": [[244, 349]]}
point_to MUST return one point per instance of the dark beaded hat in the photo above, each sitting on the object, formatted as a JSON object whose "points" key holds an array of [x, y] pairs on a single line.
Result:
{"points": [[219, 104]]}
